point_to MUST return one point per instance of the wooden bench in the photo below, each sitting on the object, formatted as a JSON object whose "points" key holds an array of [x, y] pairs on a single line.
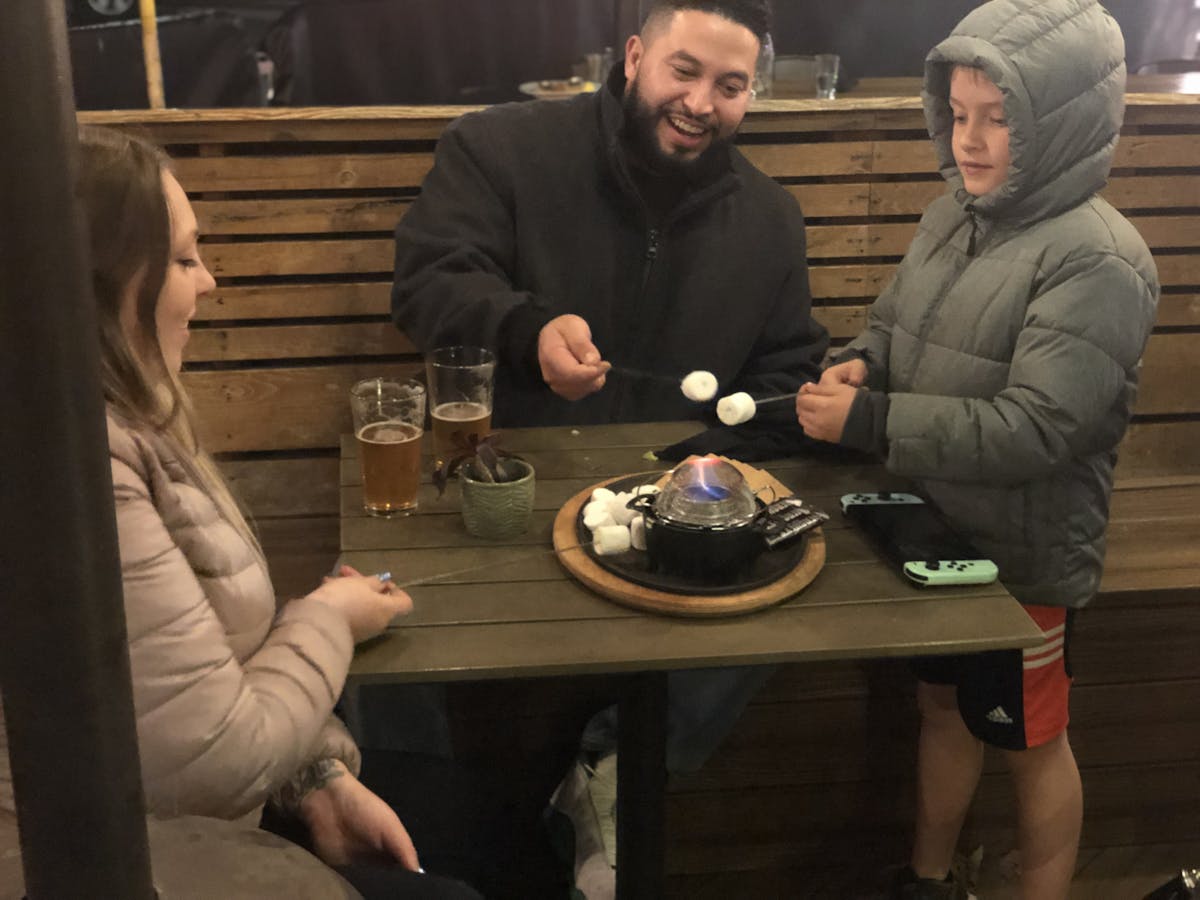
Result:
{"points": [[297, 208]]}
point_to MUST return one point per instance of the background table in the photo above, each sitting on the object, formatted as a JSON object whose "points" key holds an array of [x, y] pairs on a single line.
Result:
{"points": [[510, 610]]}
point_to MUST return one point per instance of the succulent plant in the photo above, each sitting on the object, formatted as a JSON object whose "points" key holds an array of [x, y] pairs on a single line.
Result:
{"points": [[481, 459]]}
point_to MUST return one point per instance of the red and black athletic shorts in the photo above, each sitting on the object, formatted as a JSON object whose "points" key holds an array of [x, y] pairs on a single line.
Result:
{"points": [[1012, 699]]}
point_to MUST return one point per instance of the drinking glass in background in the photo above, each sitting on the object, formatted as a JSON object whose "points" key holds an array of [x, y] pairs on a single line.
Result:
{"points": [[827, 75], [461, 381], [389, 418], [764, 72]]}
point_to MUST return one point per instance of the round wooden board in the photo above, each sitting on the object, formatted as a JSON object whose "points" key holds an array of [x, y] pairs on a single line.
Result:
{"points": [[608, 584]]}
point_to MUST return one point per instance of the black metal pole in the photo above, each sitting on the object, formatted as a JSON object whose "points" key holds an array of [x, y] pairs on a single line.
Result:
{"points": [[64, 665]]}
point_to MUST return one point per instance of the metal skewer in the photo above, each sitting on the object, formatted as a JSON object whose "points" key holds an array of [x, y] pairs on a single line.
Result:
{"points": [[428, 579]]}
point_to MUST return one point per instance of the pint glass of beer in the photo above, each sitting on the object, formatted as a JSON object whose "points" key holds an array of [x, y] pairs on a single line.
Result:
{"points": [[389, 417], [461, 380]]}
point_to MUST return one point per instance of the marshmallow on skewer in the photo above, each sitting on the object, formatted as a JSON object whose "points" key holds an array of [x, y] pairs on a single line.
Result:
{"points": [[736, 408], [611, 539], [699, 387]]}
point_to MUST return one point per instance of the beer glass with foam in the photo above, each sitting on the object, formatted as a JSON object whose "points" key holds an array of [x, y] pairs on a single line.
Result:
{"points": [[461, 382], [389, 418]]}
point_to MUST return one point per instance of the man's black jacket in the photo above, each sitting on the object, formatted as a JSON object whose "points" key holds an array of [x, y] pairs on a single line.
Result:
{"points": [[530, 212]]}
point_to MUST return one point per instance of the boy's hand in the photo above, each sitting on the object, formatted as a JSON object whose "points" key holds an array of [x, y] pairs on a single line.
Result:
{"points": [[852, 372], [822, 409], [570, 363]]}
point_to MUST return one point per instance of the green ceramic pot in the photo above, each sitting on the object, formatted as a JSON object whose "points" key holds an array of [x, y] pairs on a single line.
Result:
{"points": [[497, 511]]}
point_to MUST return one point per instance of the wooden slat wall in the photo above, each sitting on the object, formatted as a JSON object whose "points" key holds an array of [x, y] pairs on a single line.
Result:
{"points": [[297, 209]]}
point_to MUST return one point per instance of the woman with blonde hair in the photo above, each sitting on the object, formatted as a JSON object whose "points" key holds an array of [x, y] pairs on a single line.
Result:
{"points": [[233, 689]]}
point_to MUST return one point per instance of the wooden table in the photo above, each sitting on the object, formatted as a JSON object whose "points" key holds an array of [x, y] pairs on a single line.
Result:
{"points": [[510, 610]]}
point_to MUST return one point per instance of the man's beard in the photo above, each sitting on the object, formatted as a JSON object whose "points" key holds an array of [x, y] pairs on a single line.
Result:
{"points": [[641, 131]]}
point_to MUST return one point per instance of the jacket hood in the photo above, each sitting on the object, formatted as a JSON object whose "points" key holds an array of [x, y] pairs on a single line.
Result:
{"points": [[1060, 65]]}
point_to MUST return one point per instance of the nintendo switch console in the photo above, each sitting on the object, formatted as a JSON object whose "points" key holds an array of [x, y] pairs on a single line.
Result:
{"points": [[915, 537]]}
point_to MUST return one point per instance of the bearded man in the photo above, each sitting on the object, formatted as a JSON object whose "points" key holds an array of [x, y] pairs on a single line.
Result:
{"points": [[605, 246], [609, 244]]}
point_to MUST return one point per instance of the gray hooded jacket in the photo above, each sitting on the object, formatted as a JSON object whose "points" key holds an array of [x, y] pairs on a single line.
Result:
{"points": [[1009, 342]]}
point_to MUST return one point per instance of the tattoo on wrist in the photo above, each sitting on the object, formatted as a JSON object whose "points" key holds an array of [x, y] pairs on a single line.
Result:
{"points": [[311, 778]]}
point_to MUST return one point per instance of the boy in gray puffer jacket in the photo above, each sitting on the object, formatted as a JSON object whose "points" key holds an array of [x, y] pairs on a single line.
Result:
{"points": [[999, 371]]}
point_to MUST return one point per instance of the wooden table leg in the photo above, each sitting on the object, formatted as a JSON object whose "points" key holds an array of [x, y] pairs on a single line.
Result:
{"points": [[641, 783]]}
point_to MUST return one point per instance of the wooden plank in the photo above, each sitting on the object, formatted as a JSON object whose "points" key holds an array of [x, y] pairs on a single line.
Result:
{"points": [[846, 321], [1130, 192], [902, 157], [1170, 373], [309, 215], [787, 633], [1160, 448], [1102, 717], [297, 342], [875, 239], [279, 409], [837, 281], [1152, 555], [904, 198], [806, 160], [300, 551], [892, 239], [843, 322], [1125, 192], [296, 301], [1154, 504], [284, 487], [830, 200], [1179, 310], [308, 172], [312, 257], [1157, 151], [787, 826]]}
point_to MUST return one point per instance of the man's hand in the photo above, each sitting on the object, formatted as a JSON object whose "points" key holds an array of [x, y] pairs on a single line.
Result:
{"points": [[823, 409], [852, 372], [571, 364], [348, 823]]}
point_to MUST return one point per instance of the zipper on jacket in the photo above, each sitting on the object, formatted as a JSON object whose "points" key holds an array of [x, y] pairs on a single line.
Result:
{"points": [[974, 234], [651, 256]]}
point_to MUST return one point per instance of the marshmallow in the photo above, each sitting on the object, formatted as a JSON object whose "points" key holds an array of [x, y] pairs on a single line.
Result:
{"points": [[699, 387], [611, 539], [604, 495], [736, 408], [637, 533], [598, 518], [619, 509]]}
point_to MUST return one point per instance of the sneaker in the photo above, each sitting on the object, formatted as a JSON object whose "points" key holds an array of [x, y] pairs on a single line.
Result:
{"points": [[595, 879], [907, 886]]}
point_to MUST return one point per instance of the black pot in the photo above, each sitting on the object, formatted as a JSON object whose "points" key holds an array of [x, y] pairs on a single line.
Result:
{"points": [[713, 553]]}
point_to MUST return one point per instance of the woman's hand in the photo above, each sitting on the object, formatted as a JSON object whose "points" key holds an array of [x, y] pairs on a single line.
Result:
{"points": [[852, 372], [367, 603], [349, 823], [822, 410]]}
